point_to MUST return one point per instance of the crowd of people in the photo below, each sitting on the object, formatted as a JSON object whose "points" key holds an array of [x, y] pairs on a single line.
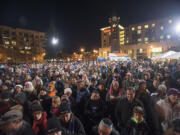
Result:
{"points": [[79, 98]]}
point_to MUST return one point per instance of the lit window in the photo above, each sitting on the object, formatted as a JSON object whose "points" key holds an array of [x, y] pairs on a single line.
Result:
{"points": [[146, 26], [122, 32], [168, 36], [161, 37], [9, 58], [14, 42], [133, 28], [121, 36], [139, 32], [139, 27], [140, 50], [121, 43], [162, 28], [28, 52], [129, 51], [146, 39], [22, 52], [170, 21], [7, 42], [127, 41], [122, 39], [139, 39], [153, 25]]}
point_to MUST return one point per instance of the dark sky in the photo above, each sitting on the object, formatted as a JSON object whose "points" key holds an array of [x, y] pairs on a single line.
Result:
{"points": [[78, 22]]}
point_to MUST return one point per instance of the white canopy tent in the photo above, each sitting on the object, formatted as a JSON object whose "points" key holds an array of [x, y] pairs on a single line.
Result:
{"points": [[165, 55], [174, 56]]}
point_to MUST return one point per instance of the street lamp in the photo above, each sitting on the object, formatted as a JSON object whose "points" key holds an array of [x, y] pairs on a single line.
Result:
{"points": [[82, 49], [55, 41]]}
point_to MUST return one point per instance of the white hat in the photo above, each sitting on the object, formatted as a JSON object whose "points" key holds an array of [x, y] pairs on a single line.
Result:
{"points": [[67, 90], [20, 86]]}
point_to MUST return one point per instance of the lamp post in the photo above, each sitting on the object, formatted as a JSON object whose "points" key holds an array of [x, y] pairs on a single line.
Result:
{"points": [[82, 52]]}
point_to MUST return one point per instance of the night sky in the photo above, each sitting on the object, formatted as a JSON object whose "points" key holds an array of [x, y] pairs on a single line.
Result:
{"points": [[78, 22]]}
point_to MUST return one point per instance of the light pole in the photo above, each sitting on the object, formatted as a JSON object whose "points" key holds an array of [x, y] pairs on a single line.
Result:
{"points": [[54, 42]]}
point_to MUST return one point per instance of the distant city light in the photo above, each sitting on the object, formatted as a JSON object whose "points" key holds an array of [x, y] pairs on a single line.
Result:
{"points": [[177, 28], [54, 41]]}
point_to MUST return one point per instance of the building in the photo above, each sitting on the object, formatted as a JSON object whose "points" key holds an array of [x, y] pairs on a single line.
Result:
{"points": [[145, 39], [21, 45]]}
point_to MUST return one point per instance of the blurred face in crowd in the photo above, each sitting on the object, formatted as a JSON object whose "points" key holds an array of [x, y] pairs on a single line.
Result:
{"points": [[50, 88], [54, 104], [138, 116], [155, 83], [43, 92], [4, 87], [37, 115], [143, 86], [11, 126], [115, 85], [174, 98], [18, 89], [145, 77], [130, 95], [102, 130], [56, 133], [101, 87], [65, 117], [80, 85], [68, 94], [95, 96]]}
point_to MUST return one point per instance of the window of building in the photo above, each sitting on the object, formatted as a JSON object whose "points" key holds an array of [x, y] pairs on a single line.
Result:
{"points": [[139, 32], [132, 28], [162, 28], [122, 39], [13, 33], [122, 32], [122, 43], [13, 42], [170, 21], [121, 36], [28, 52], [153, 25], [168, 36], [140, 50], [146, 26], [139, 39], [161, 37], [127, 41], [146, 39], [22, 52], [7, 42], [139, 27], [129, 51], [20, 33]]}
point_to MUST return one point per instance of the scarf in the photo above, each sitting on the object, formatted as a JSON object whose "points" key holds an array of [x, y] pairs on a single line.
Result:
{"points": [[41, 124]]}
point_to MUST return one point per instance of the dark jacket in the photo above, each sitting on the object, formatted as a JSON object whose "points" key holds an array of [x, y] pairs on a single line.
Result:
{"points": [[25, 129], [134, 128], [73, 127], [124, 111], [95, 131]]}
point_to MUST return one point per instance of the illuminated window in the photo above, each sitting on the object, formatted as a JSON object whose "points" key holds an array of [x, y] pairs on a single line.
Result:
{"points": [[139, 32], [28, 52], [162, 28], [146, 39], [13, 42], [139, 27], [121, 36], [129, 51], [161, 37], [139, 39], [22, 52], [168, 36], [122, 43], [146, 26], [7, 42], [153, 25], [9, 58], [122, 39], [158, 49], [140, 50], [133, 28], [127, 41], [122, 32], [170, 21]]}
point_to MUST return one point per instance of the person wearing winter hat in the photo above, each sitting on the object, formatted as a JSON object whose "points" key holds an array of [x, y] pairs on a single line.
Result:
{"points": [[12, 123], [170, 106], [68, 92], [18, 88], [56, 101], [40, 120], [69, 121], [54, 127], [4, 102]]}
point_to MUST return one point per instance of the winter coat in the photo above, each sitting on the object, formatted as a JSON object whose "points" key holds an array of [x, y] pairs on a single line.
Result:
{"points": [[135, 128], [152, 117], [169, 112], [73, 127], [124, 111]]}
